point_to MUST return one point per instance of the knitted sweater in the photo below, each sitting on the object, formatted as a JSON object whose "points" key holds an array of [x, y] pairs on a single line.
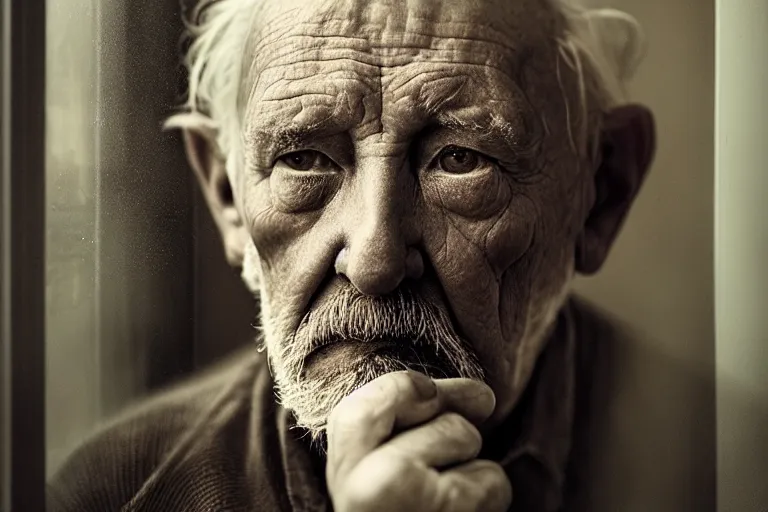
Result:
{"points": [[219, 442]]}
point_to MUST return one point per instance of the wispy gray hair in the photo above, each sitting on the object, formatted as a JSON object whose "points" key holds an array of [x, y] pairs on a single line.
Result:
{"points": [[602, 46]]}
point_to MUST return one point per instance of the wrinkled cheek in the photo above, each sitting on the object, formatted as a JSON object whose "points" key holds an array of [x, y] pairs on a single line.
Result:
{"points": [[274, 234], [515, 301], [511, 254], [511, 235], [510, 250], [469, 258], [466, 278], [531, 293]]}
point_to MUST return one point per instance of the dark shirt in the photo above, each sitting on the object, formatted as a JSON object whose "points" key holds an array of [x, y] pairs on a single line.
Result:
{"points": [[220, 442]]}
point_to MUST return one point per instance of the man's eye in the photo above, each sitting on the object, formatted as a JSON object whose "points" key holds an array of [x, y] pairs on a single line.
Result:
{"points": [[307, 160], [456, 160]]}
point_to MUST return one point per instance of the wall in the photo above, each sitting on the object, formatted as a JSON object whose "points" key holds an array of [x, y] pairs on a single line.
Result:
{"points": [[659, 277], [741, 252]]}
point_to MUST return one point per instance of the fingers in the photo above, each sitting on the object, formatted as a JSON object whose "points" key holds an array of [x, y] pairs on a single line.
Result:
{"points": [[445, 440], [475, 402], [477, 485], [367, 417]]}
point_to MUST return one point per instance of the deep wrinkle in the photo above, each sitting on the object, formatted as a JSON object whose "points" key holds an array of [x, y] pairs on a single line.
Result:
{"points": [[390, 113]]}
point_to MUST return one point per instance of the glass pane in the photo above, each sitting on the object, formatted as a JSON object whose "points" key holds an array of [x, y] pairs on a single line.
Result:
{"points": [[119, 255], [72, 391]]}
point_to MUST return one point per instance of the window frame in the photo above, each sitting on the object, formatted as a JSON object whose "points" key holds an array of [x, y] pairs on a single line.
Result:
{"points": [[22, 255]]}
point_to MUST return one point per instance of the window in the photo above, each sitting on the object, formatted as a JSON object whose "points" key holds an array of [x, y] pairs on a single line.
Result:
{"points": [[119, 288]]}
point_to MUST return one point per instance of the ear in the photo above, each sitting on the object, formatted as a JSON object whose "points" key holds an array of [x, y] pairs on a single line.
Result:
{"points": [[627, 146], [210, 168]]}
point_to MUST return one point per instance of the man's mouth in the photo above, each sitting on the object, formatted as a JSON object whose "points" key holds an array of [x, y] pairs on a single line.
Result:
{"points": [[354, 347], [347, 355]]}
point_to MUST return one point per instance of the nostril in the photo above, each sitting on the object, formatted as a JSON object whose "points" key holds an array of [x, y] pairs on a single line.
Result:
{"points": [[414, 264]]}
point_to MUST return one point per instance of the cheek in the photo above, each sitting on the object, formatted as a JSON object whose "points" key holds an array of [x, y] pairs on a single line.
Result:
{"points": [[281, 212], [294, 192], [485, 212], [474, 234], [477, 196], [284, 238]]}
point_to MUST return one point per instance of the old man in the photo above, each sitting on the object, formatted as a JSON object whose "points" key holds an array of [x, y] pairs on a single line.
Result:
{"points": [[410, 187]]}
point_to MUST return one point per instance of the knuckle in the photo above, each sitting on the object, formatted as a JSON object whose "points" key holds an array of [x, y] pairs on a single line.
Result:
{"points": [[366, 404], [351, 412], [483, 485], [456, 426], [497, 490], [385, 385], [360, 497], [454, 494], [389, 469]]}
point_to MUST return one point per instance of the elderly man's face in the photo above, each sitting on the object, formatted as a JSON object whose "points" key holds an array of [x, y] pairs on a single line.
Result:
{"points": [[412, 191]]}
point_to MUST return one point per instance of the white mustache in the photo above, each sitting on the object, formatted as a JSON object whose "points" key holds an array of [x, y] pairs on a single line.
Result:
{"points": [[402, 316]]}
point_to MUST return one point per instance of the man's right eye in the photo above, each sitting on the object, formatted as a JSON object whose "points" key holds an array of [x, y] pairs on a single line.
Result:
{"points": [[307, 160]]}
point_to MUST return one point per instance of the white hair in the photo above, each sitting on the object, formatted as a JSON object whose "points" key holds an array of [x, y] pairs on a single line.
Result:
{"points": [[602, 47], [218, 31]]}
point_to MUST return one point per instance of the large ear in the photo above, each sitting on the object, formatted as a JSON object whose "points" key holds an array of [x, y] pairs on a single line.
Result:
{"points": [[210, 168], [628, 143]]}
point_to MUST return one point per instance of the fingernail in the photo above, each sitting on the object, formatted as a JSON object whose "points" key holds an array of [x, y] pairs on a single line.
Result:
{"points": [[425, 386]]}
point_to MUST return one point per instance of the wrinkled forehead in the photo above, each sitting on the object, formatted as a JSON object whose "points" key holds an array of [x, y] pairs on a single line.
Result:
{"points": [[498, 32], [380, 20]]}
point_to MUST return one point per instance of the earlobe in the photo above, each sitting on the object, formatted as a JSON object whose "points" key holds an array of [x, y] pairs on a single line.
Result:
{"points": [[209, 167], [627, 149]]}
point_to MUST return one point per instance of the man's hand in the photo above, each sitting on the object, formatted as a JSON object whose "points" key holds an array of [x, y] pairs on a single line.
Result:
{"points": [[404, 442]]}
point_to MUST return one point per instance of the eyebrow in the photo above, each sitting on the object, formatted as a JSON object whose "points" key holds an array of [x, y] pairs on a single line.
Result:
{"points": [[513, 127], [510, 131], [494, 129], [276, 137]]}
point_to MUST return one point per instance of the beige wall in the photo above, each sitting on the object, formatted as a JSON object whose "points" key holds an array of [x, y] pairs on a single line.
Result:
{"points": [[741, 241], [659, 278]]}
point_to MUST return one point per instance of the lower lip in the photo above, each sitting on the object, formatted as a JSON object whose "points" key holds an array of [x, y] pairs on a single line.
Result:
{"points": [[342, 354], [353, 348]]}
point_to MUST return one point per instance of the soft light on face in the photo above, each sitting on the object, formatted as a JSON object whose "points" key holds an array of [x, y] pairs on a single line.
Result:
{"points": [[410, 191]]}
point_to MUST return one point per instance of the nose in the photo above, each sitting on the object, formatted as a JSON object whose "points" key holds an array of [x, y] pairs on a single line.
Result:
{"points": [[380, 252]]}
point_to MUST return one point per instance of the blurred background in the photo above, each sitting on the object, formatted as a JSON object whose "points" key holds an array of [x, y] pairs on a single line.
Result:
{"points": [[138, 294]]}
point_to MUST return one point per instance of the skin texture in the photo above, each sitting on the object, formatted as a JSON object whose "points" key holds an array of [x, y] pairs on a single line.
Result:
{"points": [[371, 470], [386, 197], [421, 146]]}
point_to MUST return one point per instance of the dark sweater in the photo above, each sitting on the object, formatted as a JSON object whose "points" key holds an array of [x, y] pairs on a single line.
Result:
{"points": [[220, 442]]}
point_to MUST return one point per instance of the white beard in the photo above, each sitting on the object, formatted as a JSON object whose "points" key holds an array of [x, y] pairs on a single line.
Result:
{"points": [[311, 400]]}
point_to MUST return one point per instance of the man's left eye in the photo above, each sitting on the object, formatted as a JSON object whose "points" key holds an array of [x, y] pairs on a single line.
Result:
{"points": [[456, 160], [307, 160]]}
